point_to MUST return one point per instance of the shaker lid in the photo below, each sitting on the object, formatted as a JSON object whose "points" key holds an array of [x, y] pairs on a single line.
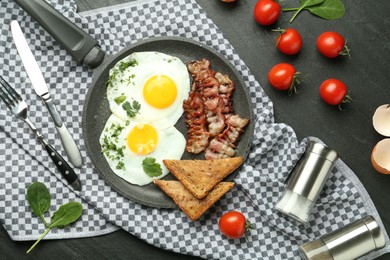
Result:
{"points": [[322, 151]]}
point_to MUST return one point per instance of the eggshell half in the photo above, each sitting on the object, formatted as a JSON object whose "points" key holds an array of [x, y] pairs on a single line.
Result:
{"points": [[380, 156], [381, 120]]}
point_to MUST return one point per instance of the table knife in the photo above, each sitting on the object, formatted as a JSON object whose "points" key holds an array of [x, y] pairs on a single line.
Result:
{"points": [[40, 87]]}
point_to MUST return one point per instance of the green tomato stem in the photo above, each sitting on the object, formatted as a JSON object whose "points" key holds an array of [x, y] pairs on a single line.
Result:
{"points": [[345, 51], [36, 242], [248, 226]]}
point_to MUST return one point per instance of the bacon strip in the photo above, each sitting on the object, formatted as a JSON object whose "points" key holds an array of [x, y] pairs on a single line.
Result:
{"points": [[210, 114], [195, 118], [224, 145]]}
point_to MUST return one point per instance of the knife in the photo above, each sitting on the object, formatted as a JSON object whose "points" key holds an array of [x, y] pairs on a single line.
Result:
{"points": [[40, 87]]}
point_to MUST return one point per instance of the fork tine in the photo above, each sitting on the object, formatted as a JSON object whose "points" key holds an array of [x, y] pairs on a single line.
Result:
{"points": [[5, 99], [9, 91], [4, 96]]}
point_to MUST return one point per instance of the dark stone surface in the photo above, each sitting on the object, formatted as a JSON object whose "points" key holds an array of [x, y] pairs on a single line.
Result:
{"points": [[365, 26]]}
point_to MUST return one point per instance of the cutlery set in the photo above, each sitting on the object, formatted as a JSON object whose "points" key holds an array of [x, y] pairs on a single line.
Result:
{"points": [[18, 107]]}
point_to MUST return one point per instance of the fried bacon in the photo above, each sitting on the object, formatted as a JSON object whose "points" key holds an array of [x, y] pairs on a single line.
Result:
{"points": [[210, 114], [223, 145], [195, 118]]}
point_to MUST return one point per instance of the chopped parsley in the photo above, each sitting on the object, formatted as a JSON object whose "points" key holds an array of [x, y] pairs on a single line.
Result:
{"points": [[151, 168], [117, 130], [120, 99], [109, 147], [131, 109], [122, 66], [120, 165]]}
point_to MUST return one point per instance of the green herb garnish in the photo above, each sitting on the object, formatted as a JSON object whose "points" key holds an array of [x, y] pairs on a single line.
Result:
{"points": [[326, 9], [120, 165], [151, 168], [123, 65], [108, 147], [112, 77], [120, 99], [131, 109], [38, 197]]}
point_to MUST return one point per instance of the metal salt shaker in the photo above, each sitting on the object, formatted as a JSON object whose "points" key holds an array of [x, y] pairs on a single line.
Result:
{"points": [[350, 242], [306, 181]]}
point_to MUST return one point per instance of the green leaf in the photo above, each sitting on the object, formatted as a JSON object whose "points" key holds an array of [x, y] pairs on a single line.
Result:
{"points": [[38, 197], [151, 168], [131, 109], [119, 99], [308, 3], [304, 4], [329, 9], [66, 214]]}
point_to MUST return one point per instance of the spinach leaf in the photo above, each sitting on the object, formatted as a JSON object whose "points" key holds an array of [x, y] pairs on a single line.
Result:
{"points": [[66, 214], [330, 9], [38, 197], [326, 9]]}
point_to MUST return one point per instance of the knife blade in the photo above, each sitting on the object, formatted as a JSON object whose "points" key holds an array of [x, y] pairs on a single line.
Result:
{"points": [[38, 81]]}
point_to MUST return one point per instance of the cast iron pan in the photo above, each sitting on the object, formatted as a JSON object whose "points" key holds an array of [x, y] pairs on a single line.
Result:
{"points": [[96, 109]]}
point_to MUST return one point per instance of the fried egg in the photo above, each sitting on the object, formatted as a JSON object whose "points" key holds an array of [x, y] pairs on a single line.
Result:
{"points": [[148, 87], [135, 150]]}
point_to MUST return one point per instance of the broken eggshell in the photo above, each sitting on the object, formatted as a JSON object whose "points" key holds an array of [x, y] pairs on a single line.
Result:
{"points": [[380, 156], [381, 120]]}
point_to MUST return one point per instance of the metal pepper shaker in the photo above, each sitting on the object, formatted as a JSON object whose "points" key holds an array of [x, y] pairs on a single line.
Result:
{"points": [[306, 181], [350, 242]]}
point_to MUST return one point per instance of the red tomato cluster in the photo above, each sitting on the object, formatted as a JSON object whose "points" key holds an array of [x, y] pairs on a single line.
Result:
{"points": [[284, 76]]}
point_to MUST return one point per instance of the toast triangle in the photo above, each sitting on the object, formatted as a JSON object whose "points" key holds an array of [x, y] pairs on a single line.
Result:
{"points": [[189, 204], [201, 176]]}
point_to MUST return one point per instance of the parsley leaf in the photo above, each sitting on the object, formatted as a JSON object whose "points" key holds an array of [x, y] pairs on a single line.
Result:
{"points": [[131, 109], [151, 168]]}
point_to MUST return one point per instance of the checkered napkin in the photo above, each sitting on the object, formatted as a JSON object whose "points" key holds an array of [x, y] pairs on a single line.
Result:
{"points": [[274, 150]]}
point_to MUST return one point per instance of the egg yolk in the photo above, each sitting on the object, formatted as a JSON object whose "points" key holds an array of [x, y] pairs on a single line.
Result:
{"points": [[142, 139], [160, 91]]}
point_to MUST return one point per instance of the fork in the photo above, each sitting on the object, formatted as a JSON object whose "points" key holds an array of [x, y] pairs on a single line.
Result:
{"points": [[18, 107]]}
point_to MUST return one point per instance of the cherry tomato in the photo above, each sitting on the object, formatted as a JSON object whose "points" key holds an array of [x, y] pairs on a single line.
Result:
{"points": [[289, 41], [266, 12], [284, 76], [233, 224], [334, 92], [332, 44]]}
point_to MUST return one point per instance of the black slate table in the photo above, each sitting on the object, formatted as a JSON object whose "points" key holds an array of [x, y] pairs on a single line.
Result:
{"points": [[366, 25]]}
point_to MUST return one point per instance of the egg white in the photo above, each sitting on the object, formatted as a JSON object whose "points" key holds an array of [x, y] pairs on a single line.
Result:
{"points": [[171, 145], [127, 82]]}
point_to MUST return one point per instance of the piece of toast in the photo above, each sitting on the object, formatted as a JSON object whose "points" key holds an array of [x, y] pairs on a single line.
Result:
{"points": [[190, 205], [201, 176]]}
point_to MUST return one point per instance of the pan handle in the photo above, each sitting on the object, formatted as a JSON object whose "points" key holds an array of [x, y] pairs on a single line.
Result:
{"points": [[82, 47]]}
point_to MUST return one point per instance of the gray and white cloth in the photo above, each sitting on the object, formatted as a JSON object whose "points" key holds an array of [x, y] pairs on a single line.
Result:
{"points": [[274, 150]]}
